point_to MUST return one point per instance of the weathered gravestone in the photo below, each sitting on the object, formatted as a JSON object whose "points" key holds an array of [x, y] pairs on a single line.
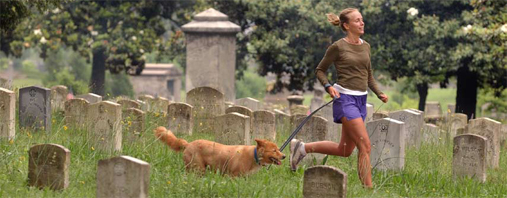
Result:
{"points": [[282, 123], [413, 125], [208, 103], [148, 101], [123, 176], [295, 100], [369, 112], [387, 137], [211, 52], [232, 129], [48, 166], [315, 129], [456, 121], [504, 135], [4, 83], [489, 129], [160, 105], [244, 111], [127, 103], [35, 108], [75, 112], [104, 126], [295, 121], [451, 108], [133, 121], [91, 97], [431, 134], [433, 112], [58, 97], [263, 125], [317, 100], [379, 115], [299, 109], [250, 103], [469, 156], [179, 118], [7, 113], [324, 181]]}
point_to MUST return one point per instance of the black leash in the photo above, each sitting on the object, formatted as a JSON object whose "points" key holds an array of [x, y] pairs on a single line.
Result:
{"points": [[302, 124]]}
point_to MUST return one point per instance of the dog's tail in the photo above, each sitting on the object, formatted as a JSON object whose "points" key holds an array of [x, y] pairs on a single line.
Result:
{"points": [[168, 137]]}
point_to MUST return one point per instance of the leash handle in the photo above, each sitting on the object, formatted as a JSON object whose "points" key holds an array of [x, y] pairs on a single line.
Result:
{"points": [[301, 125]]}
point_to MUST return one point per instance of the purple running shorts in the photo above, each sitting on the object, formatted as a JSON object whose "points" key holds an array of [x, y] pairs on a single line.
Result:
{"points": [[350, 106]]}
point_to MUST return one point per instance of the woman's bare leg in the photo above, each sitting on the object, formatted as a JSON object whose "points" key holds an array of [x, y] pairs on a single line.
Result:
{"points": [[343, 149], [357, 132]]}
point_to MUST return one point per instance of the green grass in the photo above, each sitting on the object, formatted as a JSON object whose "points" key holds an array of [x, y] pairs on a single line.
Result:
{"points": [[19, 83], [444, 96], [427, 171]]}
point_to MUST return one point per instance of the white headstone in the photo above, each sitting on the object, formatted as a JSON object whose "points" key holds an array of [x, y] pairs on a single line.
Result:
{"points": [[250, 103], [75, 112], [489, 129], [413, 125], [90, 97], [233, 129], [104, 126], [48, 166], [180, 119], [123, 176], [207, 103], [469, 156], [7, 113], [263, 125], [324, 181], [133, 123], [387, 137], [58, 97]]}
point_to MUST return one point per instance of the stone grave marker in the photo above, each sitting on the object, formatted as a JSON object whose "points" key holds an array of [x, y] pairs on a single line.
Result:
{"points": [[433, 112], [489, 129], [250, 103], [241, 110], [431, 134], [413, 126], [469, 157], [324, 181], [179, 118], [317, 100], [457, 120], [315, 129], [104, 126], [295, 100], [127, 103], [299, 109], [369, 112], [133, 123], [7, 113], [208, 103], [4, 83], [295, 121], [282, 123], [35, 108], [233, 129], [58, 97], [263, 125], [451, 108], [211, 53], [91, 97], [75, 112], [160, 105], [387, 137], [123, 176], [48, 166], [379, 115], [148, 101]]}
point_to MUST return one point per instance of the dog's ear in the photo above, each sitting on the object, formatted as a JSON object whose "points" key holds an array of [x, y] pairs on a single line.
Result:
{"points": [[260, 142]]}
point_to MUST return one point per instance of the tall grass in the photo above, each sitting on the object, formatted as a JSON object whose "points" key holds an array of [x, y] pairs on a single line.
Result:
{"points": [[427, 171]]}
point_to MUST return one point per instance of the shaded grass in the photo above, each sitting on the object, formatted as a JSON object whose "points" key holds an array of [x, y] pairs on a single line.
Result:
{"points": [[427, 171]]}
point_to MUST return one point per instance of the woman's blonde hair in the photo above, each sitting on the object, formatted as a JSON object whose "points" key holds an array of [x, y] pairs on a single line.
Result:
{"points": [[339, 21]]}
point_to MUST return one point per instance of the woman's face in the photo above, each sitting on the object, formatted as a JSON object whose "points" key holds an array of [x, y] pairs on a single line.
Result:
{"points": [[355, 24]]}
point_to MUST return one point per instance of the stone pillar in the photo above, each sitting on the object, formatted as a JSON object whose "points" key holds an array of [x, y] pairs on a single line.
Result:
{"points": [[211, 52]]}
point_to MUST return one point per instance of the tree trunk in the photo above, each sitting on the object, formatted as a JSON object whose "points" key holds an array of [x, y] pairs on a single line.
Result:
{"points": [[466, 95], [98, 72], [422, 89]]}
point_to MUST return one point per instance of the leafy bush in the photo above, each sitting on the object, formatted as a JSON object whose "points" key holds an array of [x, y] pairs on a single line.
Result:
{"points": [[65, 77], [251, 85]]}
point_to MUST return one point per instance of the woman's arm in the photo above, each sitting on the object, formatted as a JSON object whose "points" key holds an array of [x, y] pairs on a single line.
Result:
{"points": [[372, 84], [329, 58]]}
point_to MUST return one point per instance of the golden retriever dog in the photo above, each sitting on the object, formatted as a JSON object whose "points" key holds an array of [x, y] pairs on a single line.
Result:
{"points": [[233, 160]]}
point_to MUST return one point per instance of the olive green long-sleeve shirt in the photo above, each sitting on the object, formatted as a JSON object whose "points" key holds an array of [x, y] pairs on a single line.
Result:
{"points": [[353, 66]]}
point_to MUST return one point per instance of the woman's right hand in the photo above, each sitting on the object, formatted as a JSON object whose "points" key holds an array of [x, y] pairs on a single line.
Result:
{"points": [[332, 92]]}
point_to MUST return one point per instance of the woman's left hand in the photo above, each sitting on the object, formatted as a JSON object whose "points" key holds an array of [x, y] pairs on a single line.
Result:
{"points": [[383, 97]]}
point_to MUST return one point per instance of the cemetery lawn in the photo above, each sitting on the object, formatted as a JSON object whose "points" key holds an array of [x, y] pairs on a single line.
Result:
{"points": [[427, 173]]}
